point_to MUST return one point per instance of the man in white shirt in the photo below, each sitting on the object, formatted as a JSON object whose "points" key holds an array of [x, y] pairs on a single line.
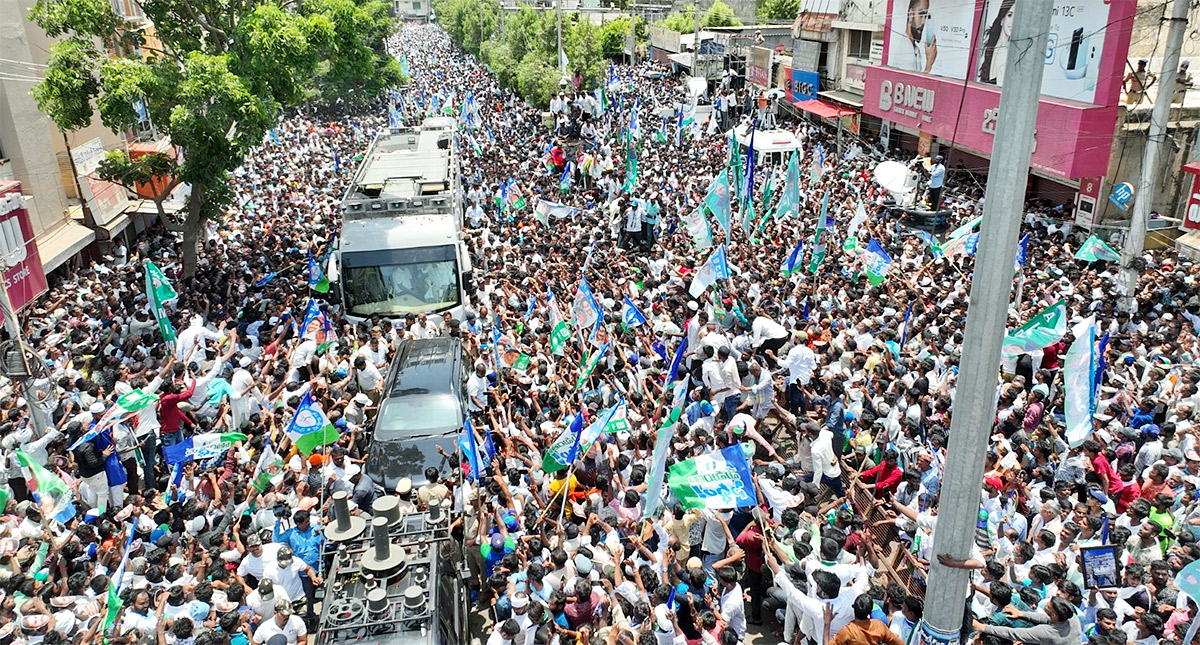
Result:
{"points": [[477, 389], [831, 599], [284, 624], [262, 600], [256, 557], [733, 602], [826, 468]]}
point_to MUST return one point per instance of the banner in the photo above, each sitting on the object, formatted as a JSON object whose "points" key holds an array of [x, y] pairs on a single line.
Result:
{"points": [[201, 446], [718, 480], [158, 292], [1079, 376]]}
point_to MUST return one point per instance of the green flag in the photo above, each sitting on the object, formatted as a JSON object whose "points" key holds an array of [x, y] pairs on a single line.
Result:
{"points": [[1094, 249], [522, 363], [269, 465], [112, 608], [818, 254], [136, 400], [159, 291], [1044, 329], [588, 368], [56, 496], [559, 337]]}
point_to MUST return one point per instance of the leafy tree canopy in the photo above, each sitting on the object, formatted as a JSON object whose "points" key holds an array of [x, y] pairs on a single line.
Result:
{"points": [[213, 77]]}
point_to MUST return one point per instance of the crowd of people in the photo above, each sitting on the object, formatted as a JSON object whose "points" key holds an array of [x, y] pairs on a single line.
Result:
{"points": [[840, 387]]}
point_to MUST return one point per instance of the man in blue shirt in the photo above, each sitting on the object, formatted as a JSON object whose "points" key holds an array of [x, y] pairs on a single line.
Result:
{"points": [[306, 541], [937, 178]]}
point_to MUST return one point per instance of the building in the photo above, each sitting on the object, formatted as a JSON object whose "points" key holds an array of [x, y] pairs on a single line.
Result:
{"points": [[417, 11], [69, 207]]}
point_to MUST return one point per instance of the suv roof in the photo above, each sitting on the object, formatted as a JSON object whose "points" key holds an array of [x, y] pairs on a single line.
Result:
{"points": [[427, 366]]}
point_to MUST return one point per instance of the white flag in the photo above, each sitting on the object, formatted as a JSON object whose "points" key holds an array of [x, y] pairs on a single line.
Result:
{"points": [[1079, 376]]}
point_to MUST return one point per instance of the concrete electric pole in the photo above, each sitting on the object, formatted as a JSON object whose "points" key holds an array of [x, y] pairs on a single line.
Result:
{"points": [[1143, 197], [975, 401]]}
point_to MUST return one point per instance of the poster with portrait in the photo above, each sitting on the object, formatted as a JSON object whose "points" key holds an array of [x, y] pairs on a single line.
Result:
{"points": [[1074, 50], [1099, 566], [931, 36]]}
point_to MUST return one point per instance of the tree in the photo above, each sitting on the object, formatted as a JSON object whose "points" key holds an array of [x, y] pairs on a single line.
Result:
{"points": [[717, 15], [720, 15], [214, 82], [779, 10], [614, 35], [682, 21], [361, 68]]}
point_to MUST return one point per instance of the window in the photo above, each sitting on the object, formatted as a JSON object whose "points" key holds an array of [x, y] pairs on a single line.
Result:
{"points": [[859, 45], [416, 6]]}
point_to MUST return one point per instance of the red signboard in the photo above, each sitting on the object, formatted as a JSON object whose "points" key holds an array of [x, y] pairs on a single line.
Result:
{"points": [[24, 279]]}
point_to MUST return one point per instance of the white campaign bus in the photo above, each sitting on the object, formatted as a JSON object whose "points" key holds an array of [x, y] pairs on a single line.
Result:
{"points": [[770, 146], [401, 249]]}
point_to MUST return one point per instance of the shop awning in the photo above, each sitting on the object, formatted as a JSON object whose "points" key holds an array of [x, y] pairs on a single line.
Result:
{"points": [[1188, 244], [841, 96], [683, 60], [823, 109], [59, 245]]}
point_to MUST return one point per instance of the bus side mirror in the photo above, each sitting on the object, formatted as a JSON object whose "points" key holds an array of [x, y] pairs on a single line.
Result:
{"points": [[469, 282]]}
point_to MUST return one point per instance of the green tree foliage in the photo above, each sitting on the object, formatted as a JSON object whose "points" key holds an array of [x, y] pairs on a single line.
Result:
{"points": [[614, 36], [524, 55], [779, 10], [717, 15], [214, 82], [720, 15]]}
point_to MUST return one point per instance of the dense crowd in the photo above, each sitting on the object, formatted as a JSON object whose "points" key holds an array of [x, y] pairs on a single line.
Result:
{"points": [[838, 389]]}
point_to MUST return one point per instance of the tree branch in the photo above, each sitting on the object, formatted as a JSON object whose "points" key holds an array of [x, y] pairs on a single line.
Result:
{"points": [[214, 31]]}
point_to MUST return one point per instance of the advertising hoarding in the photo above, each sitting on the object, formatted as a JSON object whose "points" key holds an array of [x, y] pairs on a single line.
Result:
{"points": [[1078, 110], [805, 85], [105, 199], [758, 68], [1074, 51], [24, 279], [931, 36]]}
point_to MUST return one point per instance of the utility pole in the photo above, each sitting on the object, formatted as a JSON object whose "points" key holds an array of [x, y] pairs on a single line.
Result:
{"points": [[562, 63], [1143, 197], [38, 415], [975, 401]]}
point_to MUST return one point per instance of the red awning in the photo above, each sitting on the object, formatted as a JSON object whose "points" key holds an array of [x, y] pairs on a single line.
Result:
{"points": [[823, 109]]}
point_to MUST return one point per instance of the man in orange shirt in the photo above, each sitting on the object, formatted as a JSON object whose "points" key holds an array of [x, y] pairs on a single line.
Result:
{"points": [[864, 630]]}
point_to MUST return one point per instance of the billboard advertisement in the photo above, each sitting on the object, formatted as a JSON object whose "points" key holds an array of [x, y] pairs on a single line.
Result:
{"points": [[1071, 140], [758, 67], [805, 85], [931, 37], [105, 199], [24, 278], [1074, 52], [919, 88]]}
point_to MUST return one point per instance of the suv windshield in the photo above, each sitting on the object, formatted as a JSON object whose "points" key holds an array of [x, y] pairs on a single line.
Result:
{"points": [[411, 281], [415, 416]]}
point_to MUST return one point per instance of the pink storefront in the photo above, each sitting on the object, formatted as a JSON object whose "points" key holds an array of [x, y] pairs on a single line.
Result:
{"points": [[943, 69]]}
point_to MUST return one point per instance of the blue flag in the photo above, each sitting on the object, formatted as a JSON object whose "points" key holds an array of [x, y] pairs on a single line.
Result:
{"points": [[972, 243], [529, 308], [631, 315], [673, 370], [576, 429], [1023, 250], [266, 279], [659, 348], [904, 330], [793, 261], [470, 449]]}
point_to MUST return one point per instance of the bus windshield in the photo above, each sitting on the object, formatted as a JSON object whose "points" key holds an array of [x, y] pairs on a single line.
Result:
{"points": [[401, 281]]}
